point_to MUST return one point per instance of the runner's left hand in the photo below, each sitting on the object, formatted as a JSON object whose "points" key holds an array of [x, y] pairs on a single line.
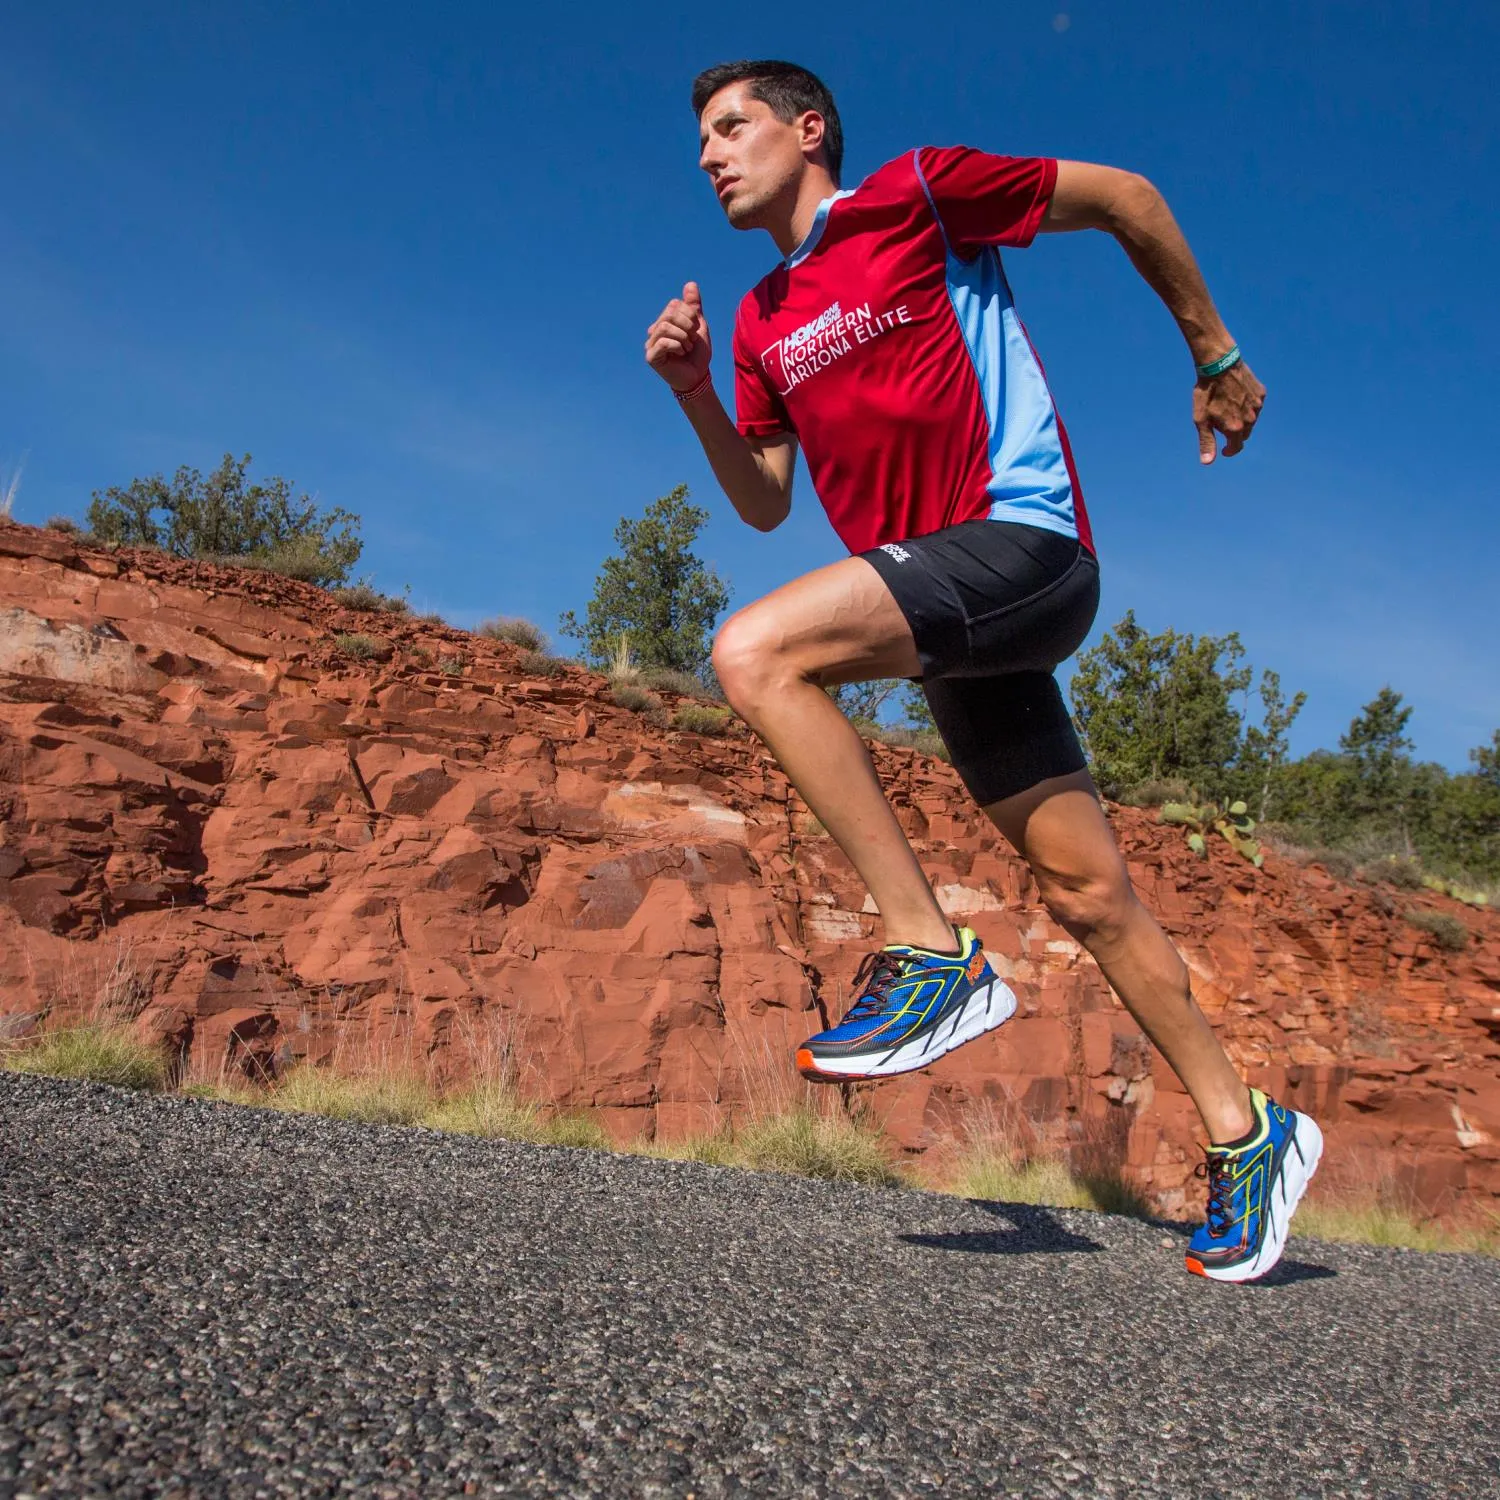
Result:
{"points": [[1229, 403]]}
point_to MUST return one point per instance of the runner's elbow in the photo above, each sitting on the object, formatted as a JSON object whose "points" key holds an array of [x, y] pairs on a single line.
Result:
{"points": [[1132, 200]]}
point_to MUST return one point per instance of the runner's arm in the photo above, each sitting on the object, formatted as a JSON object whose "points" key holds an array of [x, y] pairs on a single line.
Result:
{"points": [[756, 473], [1126, 205]]}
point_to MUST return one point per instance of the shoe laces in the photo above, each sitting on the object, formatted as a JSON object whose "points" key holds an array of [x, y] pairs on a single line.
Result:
{"points": [[1219, 1169], [877, 973]]}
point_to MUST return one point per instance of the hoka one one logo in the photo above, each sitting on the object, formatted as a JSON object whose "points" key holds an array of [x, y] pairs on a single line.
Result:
{"points": [[898, 552]]}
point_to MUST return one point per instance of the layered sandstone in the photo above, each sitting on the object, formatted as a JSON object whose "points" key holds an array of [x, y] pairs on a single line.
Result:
{"points": [[287, 853]]}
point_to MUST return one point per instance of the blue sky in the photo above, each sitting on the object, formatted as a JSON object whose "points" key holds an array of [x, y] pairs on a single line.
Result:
{"points": [[406, 257]]}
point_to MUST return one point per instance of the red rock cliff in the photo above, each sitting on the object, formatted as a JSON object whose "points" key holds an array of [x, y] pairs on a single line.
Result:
{"points": [[290, 847]]}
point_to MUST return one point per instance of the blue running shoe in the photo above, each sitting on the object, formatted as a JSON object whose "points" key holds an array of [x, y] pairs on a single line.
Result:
{"points": [[1253, 1191], [914, 1006]]}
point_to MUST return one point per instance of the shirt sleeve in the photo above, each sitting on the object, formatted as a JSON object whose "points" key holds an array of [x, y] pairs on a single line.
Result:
{"points": [[982, 200], [758, 409]]}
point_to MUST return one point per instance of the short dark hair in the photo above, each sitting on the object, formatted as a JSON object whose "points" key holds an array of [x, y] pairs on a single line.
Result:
{"points": [[788, 89]]}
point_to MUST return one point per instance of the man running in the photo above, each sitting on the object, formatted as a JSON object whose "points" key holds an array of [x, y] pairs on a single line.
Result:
{"points": [[886, 345]]}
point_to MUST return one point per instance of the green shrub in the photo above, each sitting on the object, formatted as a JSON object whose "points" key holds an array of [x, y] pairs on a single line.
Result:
{"points": [[452, 666], [420, 655], [699, 718], [518, 632], [266, 526], [362, 647], [1446, 931], [430, 618]]}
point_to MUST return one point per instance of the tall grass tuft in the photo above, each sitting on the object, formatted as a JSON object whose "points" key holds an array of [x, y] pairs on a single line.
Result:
{"points": [[397, 1097], [816, 1143], [99, 1051], [1371, 1221], [1000, 1157], [98, 1041]]}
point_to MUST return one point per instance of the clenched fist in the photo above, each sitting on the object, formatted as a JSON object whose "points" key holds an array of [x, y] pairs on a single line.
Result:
{"points": [[678, 347]]}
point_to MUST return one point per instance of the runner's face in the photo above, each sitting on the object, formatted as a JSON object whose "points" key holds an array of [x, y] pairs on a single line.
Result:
{"points": [[752, 158]]}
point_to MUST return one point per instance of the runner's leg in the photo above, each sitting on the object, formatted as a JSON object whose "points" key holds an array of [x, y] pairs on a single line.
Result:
{"points": [[1059, 828], [773, 659]]}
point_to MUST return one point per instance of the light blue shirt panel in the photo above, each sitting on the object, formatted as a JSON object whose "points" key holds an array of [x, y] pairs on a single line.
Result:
{"points": [[1029, 479]]}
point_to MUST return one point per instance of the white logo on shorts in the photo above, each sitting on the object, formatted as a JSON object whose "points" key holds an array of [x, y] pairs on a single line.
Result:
{"points": [[899, 553]]}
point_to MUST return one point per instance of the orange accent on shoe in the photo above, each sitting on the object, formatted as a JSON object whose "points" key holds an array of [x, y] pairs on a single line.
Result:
{"points": [[1196, 1267], [976, 965], [806, 1063]]}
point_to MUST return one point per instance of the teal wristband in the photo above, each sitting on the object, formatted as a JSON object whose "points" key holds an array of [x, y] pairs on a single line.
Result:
{"points": [[1222, 363]]}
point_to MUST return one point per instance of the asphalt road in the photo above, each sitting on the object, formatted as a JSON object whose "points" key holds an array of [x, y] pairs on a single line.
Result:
{"points": [[197, 1299]]}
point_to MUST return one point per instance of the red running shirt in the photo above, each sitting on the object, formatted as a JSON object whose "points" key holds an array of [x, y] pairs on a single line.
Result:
{"points": [[888, 342]]}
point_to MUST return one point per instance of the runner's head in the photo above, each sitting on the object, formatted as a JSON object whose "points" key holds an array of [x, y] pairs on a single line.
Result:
{"points": [[762, 127]]}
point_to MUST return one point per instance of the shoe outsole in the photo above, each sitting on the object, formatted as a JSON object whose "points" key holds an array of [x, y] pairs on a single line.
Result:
{"points": [[986, 1008], [1299, 1163]]}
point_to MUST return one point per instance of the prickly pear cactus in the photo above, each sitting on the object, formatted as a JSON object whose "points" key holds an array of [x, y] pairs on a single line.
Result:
{"points": [[1235, 825]]}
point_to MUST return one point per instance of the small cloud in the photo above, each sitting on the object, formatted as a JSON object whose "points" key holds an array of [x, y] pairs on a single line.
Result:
{"points": [[1061, 21]]}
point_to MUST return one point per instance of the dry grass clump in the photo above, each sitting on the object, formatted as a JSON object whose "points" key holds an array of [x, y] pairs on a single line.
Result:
{"points": [[927, 741], [452, 666], [1157, 792], [362, 647], [1447, 932], [516, 631], [398, 1096], [363, 595], [495, 1108], [623, 667], [1399, 870], [65, 524], [700, 718], [1000, 1158], [715, 1150], [815, 1143], [1379, 1218], [539, 664], [301, 558], [636, 699], [684, 684]]}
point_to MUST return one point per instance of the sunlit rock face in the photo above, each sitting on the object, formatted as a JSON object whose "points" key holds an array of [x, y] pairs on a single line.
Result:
{"points": [[429, 857]]}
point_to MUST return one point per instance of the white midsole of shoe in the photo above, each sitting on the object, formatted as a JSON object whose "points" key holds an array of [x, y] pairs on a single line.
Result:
{"points": [[1297, 1167], [983, 1011]]}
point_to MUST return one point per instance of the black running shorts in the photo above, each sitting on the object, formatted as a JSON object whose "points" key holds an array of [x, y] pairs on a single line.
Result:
{"points": [[994, 607]]}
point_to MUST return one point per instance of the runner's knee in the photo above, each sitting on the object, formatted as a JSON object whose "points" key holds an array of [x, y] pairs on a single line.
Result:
{"points": [[747, 657], [1090, 907]]}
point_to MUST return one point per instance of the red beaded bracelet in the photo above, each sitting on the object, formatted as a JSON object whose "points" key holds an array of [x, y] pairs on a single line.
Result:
{"points": [[692, 394]]}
